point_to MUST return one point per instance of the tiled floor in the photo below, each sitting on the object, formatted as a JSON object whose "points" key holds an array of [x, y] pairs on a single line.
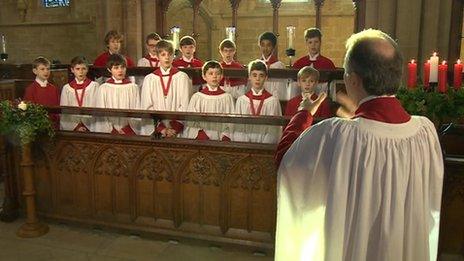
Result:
{"points": [[71, 243]]}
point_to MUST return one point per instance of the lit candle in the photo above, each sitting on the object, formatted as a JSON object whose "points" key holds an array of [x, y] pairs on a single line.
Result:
{"points": [[290, 36], [427, 74], [230, 32], [434, 67], [3, 42], [175, 31], [442, 77], [457, 82], [412, 74]]}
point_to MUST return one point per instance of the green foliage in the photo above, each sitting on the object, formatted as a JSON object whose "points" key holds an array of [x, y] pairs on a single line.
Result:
{"points": [[25, 124], [438, 107]]}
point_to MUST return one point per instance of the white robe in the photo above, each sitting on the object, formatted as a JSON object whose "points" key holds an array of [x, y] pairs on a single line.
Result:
{"points": [[152, 97], [117, 96], [283, 89], [200, 102], [142, 62], [68, 98], [257, 133], [388, 208]]}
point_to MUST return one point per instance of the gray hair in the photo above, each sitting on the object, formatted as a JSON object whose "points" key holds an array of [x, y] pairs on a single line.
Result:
{"points": [[369, 56]]}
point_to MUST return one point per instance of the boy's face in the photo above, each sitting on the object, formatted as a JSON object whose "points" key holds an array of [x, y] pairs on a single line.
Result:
{"points": [[313, 45], [227, 54], [213, 77], [42, 71], [114, 45], [165, 58], [257, 79], [151, 46], [266, 48], [80, 71], [118, 72], [307, 84], [188, 50]]}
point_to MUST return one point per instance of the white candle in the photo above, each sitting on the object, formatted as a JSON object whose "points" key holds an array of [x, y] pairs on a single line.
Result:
{"points": [[3, 42], [434, 67], [230, 32], [175, 37], [290, 36]]}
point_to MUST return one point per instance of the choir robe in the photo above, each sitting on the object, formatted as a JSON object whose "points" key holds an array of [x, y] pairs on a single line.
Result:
{"points": [[283, 89], [318, 62], [170, 95], [210, 101], [367, 188], [46, 94], [183, 62], [146, 61], [78, 94], [115, 94], [324, 110], [235, 86], [257, 133], [101, 60]]}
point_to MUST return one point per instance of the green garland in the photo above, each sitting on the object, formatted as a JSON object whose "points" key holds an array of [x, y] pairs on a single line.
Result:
{"points": [[24, 120], [438, 107]]}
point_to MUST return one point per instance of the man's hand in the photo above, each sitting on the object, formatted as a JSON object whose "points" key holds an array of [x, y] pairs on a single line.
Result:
{"points": [[82, 129], [347, 105], [312, 106]]}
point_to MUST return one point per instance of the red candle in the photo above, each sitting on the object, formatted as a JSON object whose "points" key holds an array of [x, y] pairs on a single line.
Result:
{"points": [[427, 74], [457, 82], [442, 79], [412, 74]]}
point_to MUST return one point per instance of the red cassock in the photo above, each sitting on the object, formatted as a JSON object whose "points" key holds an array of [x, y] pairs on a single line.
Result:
{"points": [[383, 109], [321, 63], [324, 110], [101, 60], [194, 63], [47, 96]]}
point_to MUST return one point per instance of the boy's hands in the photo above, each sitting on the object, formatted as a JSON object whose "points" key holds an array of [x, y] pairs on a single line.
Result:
{"points": [[312, 106], [170, 133]]}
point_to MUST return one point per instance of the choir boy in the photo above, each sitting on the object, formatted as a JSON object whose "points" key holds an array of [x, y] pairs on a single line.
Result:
{"points": [[257, 102], [118, 92], [211, 99], [314, 58], [187, 60], [150, 60], [267, 42], [235, 86], [166, 89], [308, 77], [80, 92], [41, 91], [113, 42]]}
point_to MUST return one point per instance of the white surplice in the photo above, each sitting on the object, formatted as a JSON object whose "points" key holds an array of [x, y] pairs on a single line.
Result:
{"points": [[283, 89], [68, 98], [152, 96], [205, 103], [117, 96], [257, 133], [393, 171]]}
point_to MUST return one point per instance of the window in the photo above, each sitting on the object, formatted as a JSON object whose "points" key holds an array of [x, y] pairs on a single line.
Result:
{"points": [[55, 3]]}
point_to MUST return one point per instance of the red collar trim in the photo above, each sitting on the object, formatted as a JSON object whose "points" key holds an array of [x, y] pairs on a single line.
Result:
{"points": [[124, 81], [77, 86], [270, 61], [383, 109], [206, 91], [172, 71], [264, 95]]}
